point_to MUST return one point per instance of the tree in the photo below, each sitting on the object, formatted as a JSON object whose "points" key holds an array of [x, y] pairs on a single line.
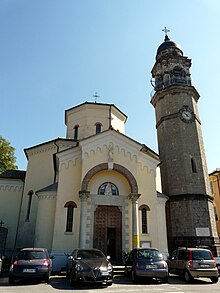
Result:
{"points": [[7, 156]]}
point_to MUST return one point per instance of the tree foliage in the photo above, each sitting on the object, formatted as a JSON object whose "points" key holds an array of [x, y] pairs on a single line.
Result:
{"points": [[7, 156]]}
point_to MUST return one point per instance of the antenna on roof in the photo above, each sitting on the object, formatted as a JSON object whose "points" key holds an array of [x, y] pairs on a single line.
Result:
{"points": [[96, 96]]}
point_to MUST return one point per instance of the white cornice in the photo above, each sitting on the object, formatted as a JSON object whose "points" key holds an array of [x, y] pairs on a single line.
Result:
{"points": [[47, 195], [68, 156], [41, 149], [11, 186]]}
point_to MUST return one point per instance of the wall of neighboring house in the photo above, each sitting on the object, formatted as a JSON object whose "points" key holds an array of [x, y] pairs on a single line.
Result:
{"points": [[215, 186], [11, 191]]}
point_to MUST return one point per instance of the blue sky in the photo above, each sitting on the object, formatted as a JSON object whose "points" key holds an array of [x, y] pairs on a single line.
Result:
{"points": [[55, 54]]}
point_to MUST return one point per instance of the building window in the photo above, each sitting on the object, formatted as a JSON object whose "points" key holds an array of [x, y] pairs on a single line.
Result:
{"points": [[144, 209], [216, 214], [108, 188], [70, 205], [193, 165], [30, 195], [212, 187], [76, 131], [98, 128]]}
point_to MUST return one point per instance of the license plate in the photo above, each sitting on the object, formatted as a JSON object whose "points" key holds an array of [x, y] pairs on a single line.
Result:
{"points": [[29, 270], [151, 266], [105, 273], [204, 266]]}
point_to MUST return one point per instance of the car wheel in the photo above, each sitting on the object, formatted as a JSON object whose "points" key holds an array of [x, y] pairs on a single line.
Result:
{"points": [[67, 274], [133, 276], [47, 279], [11, 279], [214, 279], [165, 280], [187, 277], [109, 283]]}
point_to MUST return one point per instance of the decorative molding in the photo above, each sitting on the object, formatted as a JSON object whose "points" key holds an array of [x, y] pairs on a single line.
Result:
{"points": [[66, 164], [47, 196], [104, 166], [43, 149], [11, 187]]}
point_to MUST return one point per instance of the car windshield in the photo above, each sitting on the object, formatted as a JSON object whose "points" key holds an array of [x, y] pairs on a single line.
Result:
{"points": [[150, 254], [89, 254], [203, 254], [31, 255]]}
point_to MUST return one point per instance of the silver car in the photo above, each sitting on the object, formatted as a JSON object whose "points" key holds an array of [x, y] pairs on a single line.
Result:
{"points": [[193, 263]]}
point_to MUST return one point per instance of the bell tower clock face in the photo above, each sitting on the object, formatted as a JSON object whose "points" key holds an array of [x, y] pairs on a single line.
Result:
{"points": [[187, 115]]}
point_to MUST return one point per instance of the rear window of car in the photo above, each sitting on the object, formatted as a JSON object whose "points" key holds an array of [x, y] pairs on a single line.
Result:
{"points": [[150, 254], [32, 255], [201, 254]]}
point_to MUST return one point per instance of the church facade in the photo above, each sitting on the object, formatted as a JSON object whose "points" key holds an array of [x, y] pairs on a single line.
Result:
{"points": [[95, 188], [99, 188]]}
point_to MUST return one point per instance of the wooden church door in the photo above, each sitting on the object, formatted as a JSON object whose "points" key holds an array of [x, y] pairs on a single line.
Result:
{"points": [[107, 231]]}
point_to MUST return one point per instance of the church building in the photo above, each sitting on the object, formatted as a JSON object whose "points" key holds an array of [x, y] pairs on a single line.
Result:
{"points": [[95, 188], [99, 188]]}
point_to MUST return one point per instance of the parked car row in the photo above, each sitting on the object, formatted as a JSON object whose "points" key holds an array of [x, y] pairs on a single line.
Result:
{"points": [[92, 266]]}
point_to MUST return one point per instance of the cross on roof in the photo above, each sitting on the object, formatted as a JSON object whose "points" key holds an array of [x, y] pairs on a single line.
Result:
{"points": [[96, 96], [1, 223], [166, 30]]}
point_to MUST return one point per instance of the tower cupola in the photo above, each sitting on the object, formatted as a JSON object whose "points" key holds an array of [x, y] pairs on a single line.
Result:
{"points": [[171, 67]]}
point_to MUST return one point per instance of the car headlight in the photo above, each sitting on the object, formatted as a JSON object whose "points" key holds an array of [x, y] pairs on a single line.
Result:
{"points": [[109, 267], [78, 267]]}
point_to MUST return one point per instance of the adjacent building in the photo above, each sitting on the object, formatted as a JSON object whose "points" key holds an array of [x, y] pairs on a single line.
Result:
{"points": [[215, 187]]}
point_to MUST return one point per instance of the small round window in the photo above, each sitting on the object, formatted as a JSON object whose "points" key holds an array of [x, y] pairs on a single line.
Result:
{"points": [[108, 188]]}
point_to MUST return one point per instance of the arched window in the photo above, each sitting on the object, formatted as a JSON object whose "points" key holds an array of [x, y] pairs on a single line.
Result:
{"points": [[76, 131], [144, 209], [70, 205], [30, 195], [98, 127], [108, 188]]}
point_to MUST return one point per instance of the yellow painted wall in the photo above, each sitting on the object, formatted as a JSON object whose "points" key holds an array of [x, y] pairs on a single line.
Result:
{"points": [[68, 190], [87, 115], [10, 202], [40, 173]]}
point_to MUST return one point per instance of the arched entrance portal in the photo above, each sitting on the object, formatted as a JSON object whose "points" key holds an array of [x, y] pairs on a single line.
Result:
{"points": [[107, 231]]}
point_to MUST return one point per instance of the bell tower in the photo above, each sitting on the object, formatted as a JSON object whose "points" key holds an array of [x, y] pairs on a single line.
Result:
{"points": [[184, 174]]}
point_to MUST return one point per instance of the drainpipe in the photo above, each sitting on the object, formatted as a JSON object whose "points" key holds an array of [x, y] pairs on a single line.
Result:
{"points": [[54, 161], [110, 119]]}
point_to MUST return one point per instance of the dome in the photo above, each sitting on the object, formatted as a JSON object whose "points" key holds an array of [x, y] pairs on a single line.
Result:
{"points": [[168, 44]]}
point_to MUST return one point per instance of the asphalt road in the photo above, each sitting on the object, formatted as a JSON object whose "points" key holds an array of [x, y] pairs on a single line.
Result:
{"points": [[121, 284]]}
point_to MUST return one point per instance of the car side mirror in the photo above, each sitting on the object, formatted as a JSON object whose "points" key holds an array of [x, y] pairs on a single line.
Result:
{"points": [[51, 256]]}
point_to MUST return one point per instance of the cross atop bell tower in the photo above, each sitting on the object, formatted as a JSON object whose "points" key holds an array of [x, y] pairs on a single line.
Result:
{"points": [[165, 30]]}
